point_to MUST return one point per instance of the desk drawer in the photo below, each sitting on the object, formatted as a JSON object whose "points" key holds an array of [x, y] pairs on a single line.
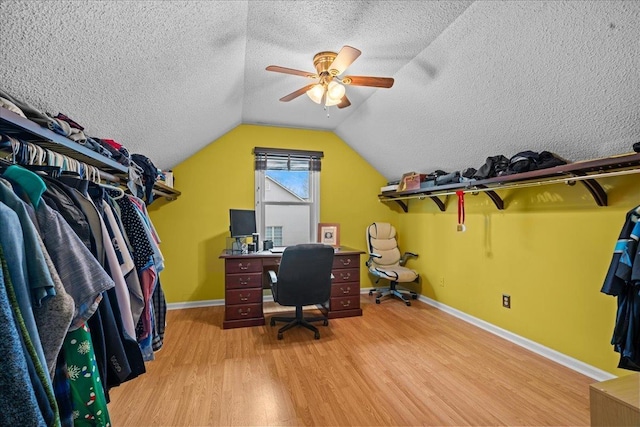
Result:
{"points": [[344, 303], [272, 262], [243, 281], [249, 265], [346, 261], [243, 311], [346, 275], [243, 296], [345, 289]]}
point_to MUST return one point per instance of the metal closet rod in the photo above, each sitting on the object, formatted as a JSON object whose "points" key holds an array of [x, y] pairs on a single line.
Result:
{"points": [[569, 181]]}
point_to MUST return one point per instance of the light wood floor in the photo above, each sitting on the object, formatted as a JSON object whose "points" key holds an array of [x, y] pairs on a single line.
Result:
{"points": [[395, 365]]}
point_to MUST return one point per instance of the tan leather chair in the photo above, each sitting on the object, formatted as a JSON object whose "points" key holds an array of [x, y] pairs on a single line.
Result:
{"points": [[385, 262]]}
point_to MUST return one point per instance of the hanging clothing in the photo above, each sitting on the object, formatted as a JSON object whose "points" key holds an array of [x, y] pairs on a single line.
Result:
{"points": [[53, 315], [90, 406], [22, 408], [623, 281], [86, 308]]}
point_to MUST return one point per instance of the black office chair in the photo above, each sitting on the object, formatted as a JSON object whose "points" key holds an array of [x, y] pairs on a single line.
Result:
{"points": [[385, 262], [303, 278]]}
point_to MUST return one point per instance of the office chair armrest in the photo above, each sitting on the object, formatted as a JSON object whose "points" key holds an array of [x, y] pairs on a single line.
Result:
{"points": [[273, 276], [372, 256], [406, 256]]}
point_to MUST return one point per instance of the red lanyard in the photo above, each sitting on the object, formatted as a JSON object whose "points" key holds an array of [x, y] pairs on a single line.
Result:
{"points": [[461, 226]]}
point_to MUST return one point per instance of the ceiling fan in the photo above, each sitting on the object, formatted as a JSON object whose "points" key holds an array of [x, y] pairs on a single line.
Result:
{"points": [[329, 89]]}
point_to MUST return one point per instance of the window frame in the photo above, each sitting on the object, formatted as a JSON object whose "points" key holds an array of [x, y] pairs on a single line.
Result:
{"points": [[278, 155]]}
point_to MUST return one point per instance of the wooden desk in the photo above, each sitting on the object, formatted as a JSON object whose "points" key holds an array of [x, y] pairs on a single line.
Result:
{"points": [[616, 402], [246, 276]]}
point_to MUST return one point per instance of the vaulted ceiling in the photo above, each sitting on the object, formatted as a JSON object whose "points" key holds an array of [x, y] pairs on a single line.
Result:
{"points": [[472, 79]]}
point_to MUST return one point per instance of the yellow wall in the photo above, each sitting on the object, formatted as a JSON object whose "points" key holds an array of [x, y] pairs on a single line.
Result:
{"points": [[549, 249], [194, 228]]}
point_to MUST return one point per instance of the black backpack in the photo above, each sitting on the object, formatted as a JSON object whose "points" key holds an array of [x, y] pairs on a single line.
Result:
{"points": [[494, 166]]}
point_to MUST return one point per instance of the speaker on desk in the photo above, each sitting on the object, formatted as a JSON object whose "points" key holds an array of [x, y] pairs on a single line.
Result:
{"points": [[267, 244]]}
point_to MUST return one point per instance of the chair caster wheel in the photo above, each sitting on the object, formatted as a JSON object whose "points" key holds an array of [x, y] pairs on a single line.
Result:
{"points": [[279, 335], [377, 301], [414, 296], [370, 293], [316, 335], [272, 322], [325, 323], [408, 303]]}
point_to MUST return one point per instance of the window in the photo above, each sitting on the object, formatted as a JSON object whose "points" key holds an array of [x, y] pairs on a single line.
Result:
{"points": [[287, 204], [274, 233]]}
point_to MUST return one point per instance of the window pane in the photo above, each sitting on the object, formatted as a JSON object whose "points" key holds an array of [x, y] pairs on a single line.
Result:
{"points": [[286, 186], [274, 234], [294, 222]]}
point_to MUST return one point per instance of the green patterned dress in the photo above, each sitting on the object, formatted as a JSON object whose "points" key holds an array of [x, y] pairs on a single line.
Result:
{"points": [[87, 394]]}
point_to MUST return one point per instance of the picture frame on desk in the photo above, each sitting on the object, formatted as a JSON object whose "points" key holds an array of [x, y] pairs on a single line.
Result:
{"points": [[329, 234]]}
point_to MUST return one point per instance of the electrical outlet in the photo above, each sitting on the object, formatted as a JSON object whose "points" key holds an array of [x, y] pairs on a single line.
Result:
{"points": [[442, 282], [506, 301]]}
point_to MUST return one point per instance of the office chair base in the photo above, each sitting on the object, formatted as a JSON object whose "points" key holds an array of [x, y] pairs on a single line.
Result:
{"points": [[299, 320], [394, 292]]}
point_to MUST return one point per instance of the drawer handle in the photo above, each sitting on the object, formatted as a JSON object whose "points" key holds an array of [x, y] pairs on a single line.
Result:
{"points": [[245, 298], [245, 281], [244, 267], [345, 276], [244, 313], [348, 290], [347, 304], [346, 262]]}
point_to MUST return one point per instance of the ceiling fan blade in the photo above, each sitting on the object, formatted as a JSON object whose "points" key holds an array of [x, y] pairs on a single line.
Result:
{"points": [[285, 70], [344, 102], [385, 82], [345, 57], [294, 95]]}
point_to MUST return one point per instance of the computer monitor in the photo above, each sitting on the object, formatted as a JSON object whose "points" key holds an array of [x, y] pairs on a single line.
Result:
{"points": [[243, 222]]}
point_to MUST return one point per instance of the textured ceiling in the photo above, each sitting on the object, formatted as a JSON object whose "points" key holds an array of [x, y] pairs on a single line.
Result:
{"points": [[472, 79]]}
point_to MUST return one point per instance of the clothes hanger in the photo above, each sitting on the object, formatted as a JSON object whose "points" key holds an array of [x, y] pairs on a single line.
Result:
{"points": [[113, 188]]}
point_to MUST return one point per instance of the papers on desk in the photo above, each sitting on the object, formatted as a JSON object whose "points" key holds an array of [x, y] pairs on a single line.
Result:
{"points": [[277, 249]]}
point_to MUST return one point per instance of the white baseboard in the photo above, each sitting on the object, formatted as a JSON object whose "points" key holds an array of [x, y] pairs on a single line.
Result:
{"points": [[205, 303], [194, 304], [556, 356]]}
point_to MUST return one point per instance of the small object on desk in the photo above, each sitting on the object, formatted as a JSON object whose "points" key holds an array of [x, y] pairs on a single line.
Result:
{"points": [[278, 249], [267, 244]]}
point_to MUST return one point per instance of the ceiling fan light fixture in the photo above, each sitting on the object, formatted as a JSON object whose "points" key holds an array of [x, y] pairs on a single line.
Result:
{"points": [[315, 93], [329, 88], [335, 91], [331, 102]]}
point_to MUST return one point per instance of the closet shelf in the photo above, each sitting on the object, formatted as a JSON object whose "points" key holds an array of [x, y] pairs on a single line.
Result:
{"points": [[169, 193], [17, 126], [585, 172]]}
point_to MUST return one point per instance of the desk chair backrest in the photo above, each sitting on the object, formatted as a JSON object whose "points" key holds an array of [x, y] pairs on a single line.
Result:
{"points": [[381, 238], [304, 275]]}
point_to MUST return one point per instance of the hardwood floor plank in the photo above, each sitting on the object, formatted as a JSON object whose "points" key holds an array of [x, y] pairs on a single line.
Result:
{"points": [[395, 365]]}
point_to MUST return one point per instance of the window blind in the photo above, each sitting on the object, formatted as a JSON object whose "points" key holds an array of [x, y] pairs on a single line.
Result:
{"points": [[283, 159]]}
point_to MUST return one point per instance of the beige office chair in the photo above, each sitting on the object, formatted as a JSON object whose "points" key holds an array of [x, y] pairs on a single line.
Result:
{"points": [[385, 262]]}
